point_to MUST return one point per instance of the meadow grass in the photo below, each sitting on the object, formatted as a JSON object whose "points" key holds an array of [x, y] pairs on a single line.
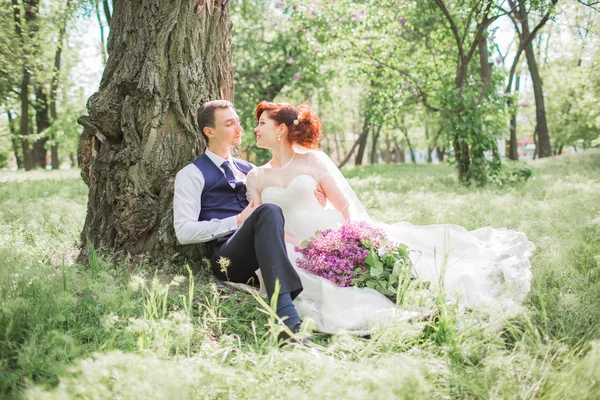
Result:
{"points": [[114, 331]]}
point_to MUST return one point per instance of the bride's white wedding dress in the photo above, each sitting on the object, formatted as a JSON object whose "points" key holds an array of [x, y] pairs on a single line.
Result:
{"points": [[482, 268]]}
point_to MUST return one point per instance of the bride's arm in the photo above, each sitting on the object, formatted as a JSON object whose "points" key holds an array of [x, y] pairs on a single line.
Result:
{"points": [[252, 190], [333, 189]]}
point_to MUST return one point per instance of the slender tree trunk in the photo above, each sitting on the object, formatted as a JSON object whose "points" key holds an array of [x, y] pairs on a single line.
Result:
{"points": [[362, 141], [388, 149], [25, 28], [513, 153], [54, 83], [165, 60], [410, 148], [374, 154], [429, 145], [545, 149], [101, 26], [13, 138], [441, 153], [24, 125], [398, 151], [354, 146], [42, 119], [536, 143], [107, 13]]}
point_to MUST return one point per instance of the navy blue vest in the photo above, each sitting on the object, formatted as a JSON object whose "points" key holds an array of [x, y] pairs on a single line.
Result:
{"points": [[219, 199]]}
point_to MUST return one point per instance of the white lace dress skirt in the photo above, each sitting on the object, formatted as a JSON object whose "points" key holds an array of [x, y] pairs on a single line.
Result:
{"points": [[485, 268]]}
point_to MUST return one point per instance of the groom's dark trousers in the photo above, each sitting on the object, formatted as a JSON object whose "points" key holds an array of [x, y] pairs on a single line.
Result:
{"points": [[258, 244]]}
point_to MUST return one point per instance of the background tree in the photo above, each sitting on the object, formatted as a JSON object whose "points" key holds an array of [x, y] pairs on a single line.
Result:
{"points": [[430, 52], [273, 52], [520, 13]]}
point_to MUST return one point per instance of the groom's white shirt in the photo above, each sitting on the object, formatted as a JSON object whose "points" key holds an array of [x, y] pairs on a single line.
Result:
{"points": [[187, 204]]}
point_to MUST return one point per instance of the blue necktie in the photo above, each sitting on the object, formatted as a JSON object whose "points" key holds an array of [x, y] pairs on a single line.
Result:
{"points": [[229, 173]]}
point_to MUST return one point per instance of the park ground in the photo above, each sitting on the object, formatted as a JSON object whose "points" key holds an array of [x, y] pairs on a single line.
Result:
{"points": [[117, 331]]}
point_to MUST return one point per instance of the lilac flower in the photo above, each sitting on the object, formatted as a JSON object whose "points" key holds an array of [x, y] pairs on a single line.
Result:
{"points": [[297, 75], [402, 20], [339, 254], [289, 61]]}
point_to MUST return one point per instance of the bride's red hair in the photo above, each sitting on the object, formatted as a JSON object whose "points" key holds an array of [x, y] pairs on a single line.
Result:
{"points": [[307, 133]]}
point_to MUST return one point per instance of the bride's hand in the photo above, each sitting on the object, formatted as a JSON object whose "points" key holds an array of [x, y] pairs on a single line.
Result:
{"points": [[292, 239], [320, 195], [241, 217]]}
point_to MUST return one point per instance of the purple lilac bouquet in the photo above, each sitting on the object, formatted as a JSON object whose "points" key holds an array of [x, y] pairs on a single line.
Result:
{"points": [[357, 254]]}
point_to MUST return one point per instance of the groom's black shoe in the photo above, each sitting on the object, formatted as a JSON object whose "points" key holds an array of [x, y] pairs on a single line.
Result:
{"points": [[284, 338]]}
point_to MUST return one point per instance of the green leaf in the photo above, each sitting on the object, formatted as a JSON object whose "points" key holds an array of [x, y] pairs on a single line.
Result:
{"points": [[376, 270], [371, 259], [303, 244]]}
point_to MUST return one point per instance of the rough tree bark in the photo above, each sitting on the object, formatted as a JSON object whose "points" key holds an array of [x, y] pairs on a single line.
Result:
{"points": [[165, 60]]}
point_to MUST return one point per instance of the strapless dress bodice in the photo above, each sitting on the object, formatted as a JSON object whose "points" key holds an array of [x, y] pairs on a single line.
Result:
{"points": [[302, 211]]}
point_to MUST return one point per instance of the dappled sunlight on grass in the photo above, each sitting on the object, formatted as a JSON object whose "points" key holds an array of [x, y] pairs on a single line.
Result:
{"points": [[109, 331]]}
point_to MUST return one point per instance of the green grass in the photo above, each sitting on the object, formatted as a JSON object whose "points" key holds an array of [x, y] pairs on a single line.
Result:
{"points": [[109, 331]]}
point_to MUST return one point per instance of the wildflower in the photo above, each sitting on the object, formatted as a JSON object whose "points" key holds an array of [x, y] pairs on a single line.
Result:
{"points": [[224, 264]]}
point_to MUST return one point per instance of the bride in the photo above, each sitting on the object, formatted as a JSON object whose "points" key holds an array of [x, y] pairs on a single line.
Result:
{"points": [[481, 268]]}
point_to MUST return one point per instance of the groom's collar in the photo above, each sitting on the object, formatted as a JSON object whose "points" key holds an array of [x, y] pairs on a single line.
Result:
{"points": [[216, 159]]}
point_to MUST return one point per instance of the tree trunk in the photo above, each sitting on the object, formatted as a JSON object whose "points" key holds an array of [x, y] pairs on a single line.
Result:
{"points": [[354, 146], [398, 152], [374, 154], [513, 153], [536, 143], [107, 13], [441, 152], [42, 120], [165, 60], [388, 149], [13, 138], [101, 26], [25, 27], [545, 149], [410, 148], [24, 125], [429, 146], [362, 142]]}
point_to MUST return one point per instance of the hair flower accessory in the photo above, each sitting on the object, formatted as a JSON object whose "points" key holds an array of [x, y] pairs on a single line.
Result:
{"points": [[296, 122]]}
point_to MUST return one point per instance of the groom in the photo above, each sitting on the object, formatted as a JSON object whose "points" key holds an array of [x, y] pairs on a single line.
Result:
{"points": [[210, 206]]}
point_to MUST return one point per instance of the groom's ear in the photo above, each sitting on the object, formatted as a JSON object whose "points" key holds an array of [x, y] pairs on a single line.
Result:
{"points": [[208, 132]]}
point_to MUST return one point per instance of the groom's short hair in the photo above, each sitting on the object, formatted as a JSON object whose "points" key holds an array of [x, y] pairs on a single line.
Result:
{"points": [[206, 114]]}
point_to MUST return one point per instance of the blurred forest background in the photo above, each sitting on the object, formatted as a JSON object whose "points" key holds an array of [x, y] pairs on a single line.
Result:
{"points": [[390, 81]]}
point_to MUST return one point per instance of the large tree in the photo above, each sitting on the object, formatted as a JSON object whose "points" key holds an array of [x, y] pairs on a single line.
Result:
{"points": [[165, 58], [520, 13]]}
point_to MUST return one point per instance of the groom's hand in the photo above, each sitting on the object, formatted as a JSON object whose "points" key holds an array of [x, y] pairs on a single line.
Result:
{"points": [[241, 217], [320, 195]]}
